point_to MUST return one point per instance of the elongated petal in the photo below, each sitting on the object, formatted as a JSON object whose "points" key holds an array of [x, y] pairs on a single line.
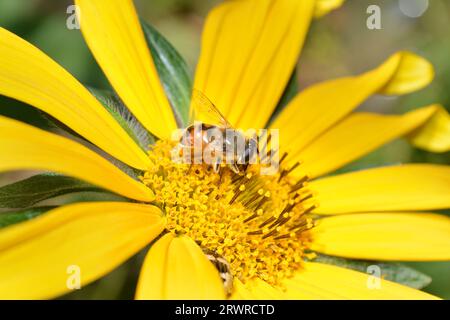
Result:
{"points": [[325, 6], [323, 281], [256, 289], [24, 147], [29, 75], [112, 31], [176, 268], [249, 50], [393, 188], [318, 281], [435, 134], [319, 107], [41, 258], [240, 292], [384, 236], [357, 135]]}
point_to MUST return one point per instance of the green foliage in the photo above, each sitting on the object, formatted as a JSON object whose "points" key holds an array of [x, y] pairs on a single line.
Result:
{"points": [[9, 218], [124, 117], [25, 193]]}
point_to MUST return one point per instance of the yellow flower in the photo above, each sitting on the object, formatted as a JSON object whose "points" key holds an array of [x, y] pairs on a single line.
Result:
{"points": [[265, 228]]}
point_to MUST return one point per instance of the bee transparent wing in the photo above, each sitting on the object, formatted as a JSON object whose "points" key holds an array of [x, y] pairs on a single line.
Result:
{"points": [[202, 109]]}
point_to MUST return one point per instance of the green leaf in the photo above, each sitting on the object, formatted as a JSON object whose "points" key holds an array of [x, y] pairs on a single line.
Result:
{"points": [[54, 124], [289, 93], [173, 72], [395, 272], [9, 218], [25, 193], [124, 117]]}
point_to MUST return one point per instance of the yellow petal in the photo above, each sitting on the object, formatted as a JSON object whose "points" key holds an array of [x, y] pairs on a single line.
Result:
{"points": [[260, 290], [412, 73], [435, 134], [249, 50], [29, 75], [325, 6], [403, 187], [384, 236], [41, 258], [24, 147], [319, 107], [255, 289], [240, 292], [322, 281], [357, 135], [113, 32], [176, 268]]}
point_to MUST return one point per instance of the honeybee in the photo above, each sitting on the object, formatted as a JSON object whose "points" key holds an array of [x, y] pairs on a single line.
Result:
{"points": [[223, 267], [237, 159]]}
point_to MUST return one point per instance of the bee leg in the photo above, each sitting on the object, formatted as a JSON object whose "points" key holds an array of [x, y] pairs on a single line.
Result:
{"points": [[217, 163], [234, 167], [216, 166], [220, 177]]}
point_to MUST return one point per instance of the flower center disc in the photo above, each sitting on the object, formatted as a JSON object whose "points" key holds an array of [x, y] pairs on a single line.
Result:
{"points": [[259, 224]]}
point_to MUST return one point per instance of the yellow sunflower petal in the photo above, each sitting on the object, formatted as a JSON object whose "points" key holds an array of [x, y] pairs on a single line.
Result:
{"points": [[319, 107], [29, 75], [249, 50], [24, 147], [357, 135], [40, 258], [413, 73], [325, 6], [384, 236], [176, 268], [393, 188], [255, 289], [240, 292], [322, 281], [435, 134], [113, 32], [258, 289]]}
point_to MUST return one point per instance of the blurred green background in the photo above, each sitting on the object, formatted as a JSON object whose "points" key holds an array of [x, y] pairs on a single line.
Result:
{"points": [[338, 44]]}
